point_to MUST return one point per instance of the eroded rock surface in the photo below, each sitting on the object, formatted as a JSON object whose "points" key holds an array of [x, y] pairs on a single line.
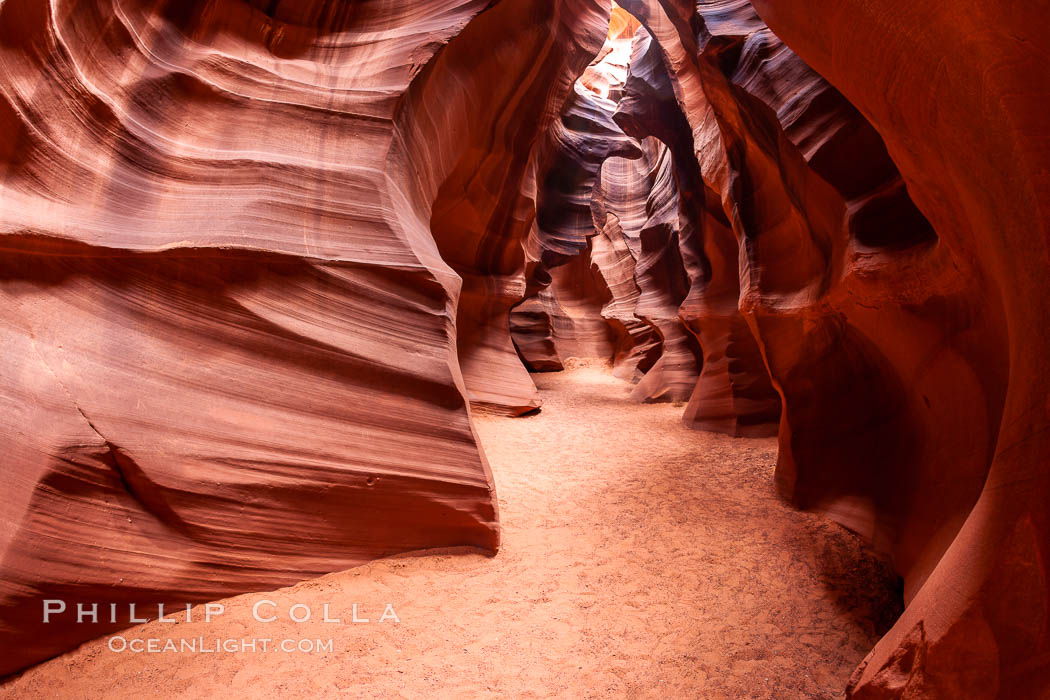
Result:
{"points": [[609, 215], [964, 335], [883, 292], [236, 240], [260, 259]]}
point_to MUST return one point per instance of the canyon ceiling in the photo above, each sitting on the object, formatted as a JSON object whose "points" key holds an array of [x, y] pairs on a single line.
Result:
{"points": [[260, 261]]}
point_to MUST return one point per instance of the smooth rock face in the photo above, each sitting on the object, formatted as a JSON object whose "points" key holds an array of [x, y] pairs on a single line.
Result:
{"points": [[643, 196], [901, 334], [232, 279], [487, 205], [963, 108]]}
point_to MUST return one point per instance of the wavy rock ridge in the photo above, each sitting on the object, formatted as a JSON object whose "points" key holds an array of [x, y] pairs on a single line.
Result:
{"points": [[237, 239], [888, 313]]}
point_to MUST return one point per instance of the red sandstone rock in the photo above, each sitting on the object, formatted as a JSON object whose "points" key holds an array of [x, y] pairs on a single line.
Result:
{"points": [[232, 281], [897, 351], [733, 394], [962, 106], [609, 211], [486, 206], [638, 343], [258, 258], [643, 196], [569, 162]]}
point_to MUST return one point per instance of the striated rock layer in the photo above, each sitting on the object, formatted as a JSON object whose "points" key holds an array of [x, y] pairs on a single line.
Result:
{"points": [[260, 259], [896, 310], [733, 393], [234, 239], [607, 271], [642, 196], [970, 137]]}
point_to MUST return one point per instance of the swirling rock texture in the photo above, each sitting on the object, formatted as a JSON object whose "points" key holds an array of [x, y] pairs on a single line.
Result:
{"points": [[230, 281], [966, 123], [896, 310], [608, 273], [260, 259], [733, 394], [658, 227], [641, 196], [569, 301], [638, 343], [532, 332], [487, 205]]}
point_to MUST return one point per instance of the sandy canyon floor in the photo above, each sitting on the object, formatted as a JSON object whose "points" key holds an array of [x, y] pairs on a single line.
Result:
{"points": [[639, 559]]}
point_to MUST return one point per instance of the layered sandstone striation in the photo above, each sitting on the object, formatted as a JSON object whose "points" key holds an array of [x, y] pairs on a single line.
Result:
{"points": [[641, 197], [607, 273], [963, 334], [261, 259], [236, 241], [733, 394], [892, 297]]}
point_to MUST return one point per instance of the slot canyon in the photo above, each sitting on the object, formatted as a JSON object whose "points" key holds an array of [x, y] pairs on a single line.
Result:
{"points": [[525, 348]]}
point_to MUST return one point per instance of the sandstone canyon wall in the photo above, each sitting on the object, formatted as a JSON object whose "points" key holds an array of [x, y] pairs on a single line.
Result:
{"points": [[962, 107], [607, 273], [262, 260], [236, 237], [883, 291]]}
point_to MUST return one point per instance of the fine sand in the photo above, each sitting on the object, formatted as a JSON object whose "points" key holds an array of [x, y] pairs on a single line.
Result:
{"points": [[639, 559]]}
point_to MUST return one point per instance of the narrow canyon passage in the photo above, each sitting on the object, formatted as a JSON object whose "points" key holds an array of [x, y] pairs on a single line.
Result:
{"points": [[275, 274], [639, 558]]}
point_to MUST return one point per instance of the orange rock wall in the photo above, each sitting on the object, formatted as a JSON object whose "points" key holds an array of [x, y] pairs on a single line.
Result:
{"points": [[235, 240]]}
